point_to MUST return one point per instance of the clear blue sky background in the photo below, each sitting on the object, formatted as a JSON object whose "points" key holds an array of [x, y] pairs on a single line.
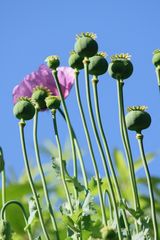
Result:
{"points": [[33, 29]]}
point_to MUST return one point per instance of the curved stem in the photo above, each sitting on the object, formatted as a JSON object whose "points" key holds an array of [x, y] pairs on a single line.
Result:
{"points": [[40, 168], [86, 62], [100, 125], [28, 230], [149, 182], [109, 202], [84, 174], [104, 219], [21, 129], [69, 127], [61, 161]]}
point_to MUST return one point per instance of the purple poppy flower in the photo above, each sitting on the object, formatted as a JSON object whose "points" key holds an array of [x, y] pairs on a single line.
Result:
{"points": [[43, 77]]}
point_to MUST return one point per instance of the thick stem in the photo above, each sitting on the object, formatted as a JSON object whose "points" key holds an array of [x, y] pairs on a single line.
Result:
{"points": [[84, 174], [86, 62], [158, 76], [149, 182], [40, 168], [69, 127], [61, 162], [104, 219], [106, 147], [28, 230], [31, 182]]}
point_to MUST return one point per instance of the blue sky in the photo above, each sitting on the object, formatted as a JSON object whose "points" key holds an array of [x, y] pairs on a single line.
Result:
{"points": [[33, 29]]}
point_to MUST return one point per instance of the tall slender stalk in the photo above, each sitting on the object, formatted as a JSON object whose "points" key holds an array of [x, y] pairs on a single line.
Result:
{"points": [[100, 125], [158, 76], [126, 143], [104, 219], [3, 177], [40, 168], [84, 174], [31, 182], [69, 127], [28, 230], [149, 182], [61, 161], [86, 62]]}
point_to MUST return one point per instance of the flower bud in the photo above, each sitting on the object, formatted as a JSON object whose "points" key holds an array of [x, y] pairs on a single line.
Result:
{"points": [[53, 102], [137, 119], [1, 160], [38, 96], [75, 61], [98, 65], [156, 58], [108, 233], [85, 45], [120, 66], [5, 230], [52, 62], [24, 109]]}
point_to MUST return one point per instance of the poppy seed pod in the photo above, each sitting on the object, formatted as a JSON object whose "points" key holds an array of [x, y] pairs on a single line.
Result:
{"points": [[53, 102], [52, 62], [85, 45], [156, 58], [38, 96], [137, 119], [5, 230], [75, 61], [24, 109], [120, 66], [98, 65], [108, 233]]}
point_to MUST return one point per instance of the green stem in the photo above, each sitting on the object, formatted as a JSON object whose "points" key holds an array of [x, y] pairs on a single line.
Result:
{"points": [[3, 177], [61, 161], [86, 62], [126, 143], [104, 219], [139, 137], [100, 125], [28, 230], [40, 168], [31, 182], [69, 127], [84, 174], [109, 203]]}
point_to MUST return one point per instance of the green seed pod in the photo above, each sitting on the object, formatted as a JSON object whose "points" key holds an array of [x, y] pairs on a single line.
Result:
{"points": [[156, 58], [53, 102], [75, 61], [120, 66], [39, 95], [52, 62], [24, 109], [98, 65], [108, 233], [5, 230], [1, 160], [85, 45], [137, 119]]}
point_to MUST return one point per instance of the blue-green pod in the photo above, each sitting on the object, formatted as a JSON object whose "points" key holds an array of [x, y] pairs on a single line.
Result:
{"points": [[75, 61], [85, 45], [98, 65], [53, 102], [38, 96], [137, 119], [52, 62], [24, 109], [156, 58], [120, 67]]}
